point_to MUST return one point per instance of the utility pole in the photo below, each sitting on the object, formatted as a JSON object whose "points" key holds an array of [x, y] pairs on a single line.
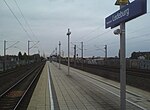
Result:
{"points": [[28, 50], [68, 34], [82, 53], [5, 48], [105, 51], [75, 55], [59, 53], [39, 52], [56, 54], [28, 47], [56, 51], [4, 65], [62, 53]]}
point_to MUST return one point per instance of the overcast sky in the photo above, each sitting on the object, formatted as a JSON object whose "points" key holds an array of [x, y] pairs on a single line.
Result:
{"points": [[48, 21]]}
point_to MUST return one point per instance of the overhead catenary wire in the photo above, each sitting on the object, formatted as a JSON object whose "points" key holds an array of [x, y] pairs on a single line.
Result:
{"points": [[12, 45], [18, 48], [24, 29], [75, 44], [138, 30], [25, 19], [100, 35], [135, 37], [27, 23], [17, 19], [87, 34], [108, 31], [104, 33], [132, 38]]}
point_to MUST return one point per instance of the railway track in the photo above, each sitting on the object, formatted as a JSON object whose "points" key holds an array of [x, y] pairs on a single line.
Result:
{"points": [[136, 78], [132, 72], [143, 73], [16, 70], [13, 96], [11, 77]]}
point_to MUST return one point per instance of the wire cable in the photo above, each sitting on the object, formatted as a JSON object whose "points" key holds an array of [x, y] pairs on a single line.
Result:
{"points": [[87, 34], [132, 38], [17, 19], [106, 32], [25, 19], [110, 30], [27, 23]]}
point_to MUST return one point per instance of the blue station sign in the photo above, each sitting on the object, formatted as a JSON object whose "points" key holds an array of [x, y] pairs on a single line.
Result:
{"points": [[127, 13]]}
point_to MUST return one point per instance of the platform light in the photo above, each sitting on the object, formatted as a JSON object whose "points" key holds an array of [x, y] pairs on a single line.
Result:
{"points": [[117, 31]]}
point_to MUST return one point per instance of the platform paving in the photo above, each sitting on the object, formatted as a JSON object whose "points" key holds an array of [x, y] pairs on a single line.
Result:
{"points": [[81, 91], [40, 99]]}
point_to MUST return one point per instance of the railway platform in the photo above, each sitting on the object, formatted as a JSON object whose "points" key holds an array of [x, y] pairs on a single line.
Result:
{"points": [[40, 97], [56, 90]]}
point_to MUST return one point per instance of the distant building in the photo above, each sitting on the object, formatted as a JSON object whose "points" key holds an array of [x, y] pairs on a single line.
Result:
{"points": [[9, 58], [140, 55]]}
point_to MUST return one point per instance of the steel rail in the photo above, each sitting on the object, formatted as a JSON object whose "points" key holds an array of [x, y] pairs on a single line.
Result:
{"points": [[29, 75], [39, 71]]}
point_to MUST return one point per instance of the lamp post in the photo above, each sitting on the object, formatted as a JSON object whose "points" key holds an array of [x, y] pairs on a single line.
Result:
{"points": [[82, 53], [105, 51], [74, 55], [56, 55], [68, 34], [59, 53], [4, 66]]}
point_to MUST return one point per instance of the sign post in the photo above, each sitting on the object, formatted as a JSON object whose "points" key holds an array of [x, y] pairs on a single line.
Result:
{"points": [[126, 13], [122, 65]]}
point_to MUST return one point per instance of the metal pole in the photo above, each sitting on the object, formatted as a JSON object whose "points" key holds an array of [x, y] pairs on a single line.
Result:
{"points": [[56, 55], [28, 50], [28, 46], [39, 52], [122, 65], [68, 54], [82, 53], [62, 53], [68, 50], [105, 51], [74, 55], [59, 53], [4, 66]]}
